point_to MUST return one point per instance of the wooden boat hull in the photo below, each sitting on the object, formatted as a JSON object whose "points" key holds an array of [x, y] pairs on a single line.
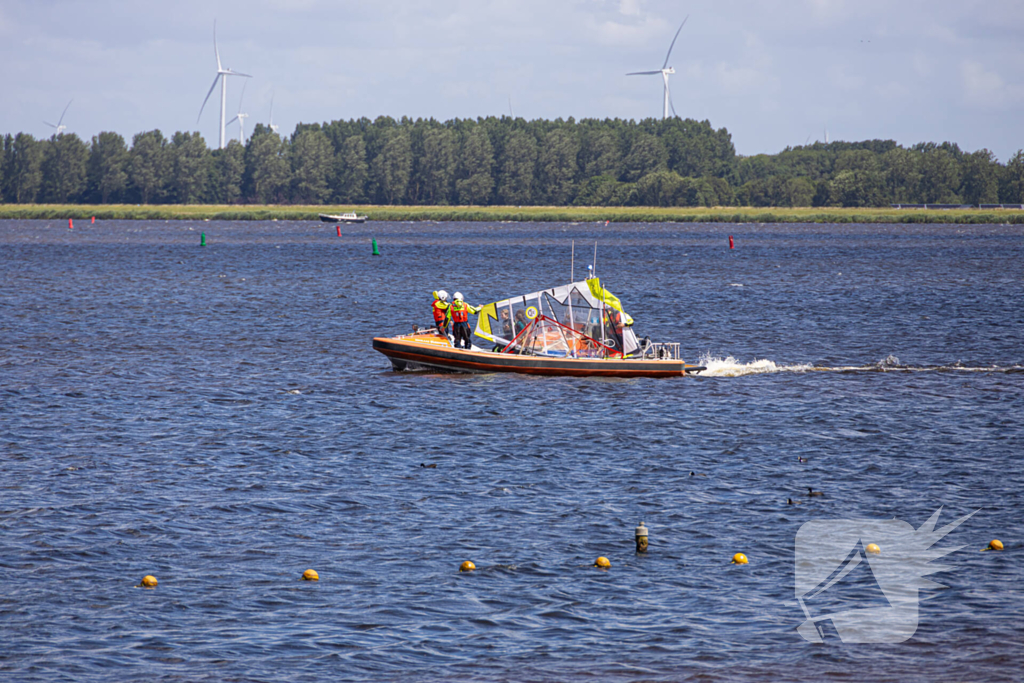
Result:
{"points": [[435, 353]]}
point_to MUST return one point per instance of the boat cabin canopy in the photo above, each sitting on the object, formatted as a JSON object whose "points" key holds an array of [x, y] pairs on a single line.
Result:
{"points": [[578, 320]]}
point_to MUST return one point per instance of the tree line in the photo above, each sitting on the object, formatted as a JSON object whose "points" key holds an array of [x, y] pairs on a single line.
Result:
{"points": [[497, 161]]}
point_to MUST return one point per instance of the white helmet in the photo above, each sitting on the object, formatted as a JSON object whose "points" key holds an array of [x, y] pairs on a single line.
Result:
{"points": [[442, 295], [458, 296]]}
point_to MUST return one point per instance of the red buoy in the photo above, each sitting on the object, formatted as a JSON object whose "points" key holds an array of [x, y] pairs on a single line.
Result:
{"points": [[731, 245], [339, 231], [71, 225], [94, 219]]}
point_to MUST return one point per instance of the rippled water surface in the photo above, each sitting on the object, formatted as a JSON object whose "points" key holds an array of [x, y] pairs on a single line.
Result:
{"points": [[215, 416]]}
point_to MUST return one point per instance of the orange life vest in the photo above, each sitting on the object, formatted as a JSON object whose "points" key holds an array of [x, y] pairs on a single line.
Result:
{"points": [[460, 312], [440, 311]]}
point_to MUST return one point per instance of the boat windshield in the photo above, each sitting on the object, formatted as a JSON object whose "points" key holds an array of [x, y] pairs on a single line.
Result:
{"points": [[579, 320]]}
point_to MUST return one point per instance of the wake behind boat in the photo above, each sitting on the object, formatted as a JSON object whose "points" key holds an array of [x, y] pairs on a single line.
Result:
{"points": [[350, 217], [578, 329]]}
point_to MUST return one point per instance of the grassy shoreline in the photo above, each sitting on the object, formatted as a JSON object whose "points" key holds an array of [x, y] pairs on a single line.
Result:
{"points": [[560, 214]]}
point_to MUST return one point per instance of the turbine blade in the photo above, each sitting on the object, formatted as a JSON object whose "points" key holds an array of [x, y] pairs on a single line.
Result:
{"points": [[49, 124], [643, 73], [229, 72], [672, 106], [242, 96], [674, 41], [271, 109], [215, 50], [61, 119], [232, 120], [215, 78]]}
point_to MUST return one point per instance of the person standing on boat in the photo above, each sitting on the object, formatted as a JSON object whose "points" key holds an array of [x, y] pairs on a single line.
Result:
{"points": [[442, 312], [460, 316]]}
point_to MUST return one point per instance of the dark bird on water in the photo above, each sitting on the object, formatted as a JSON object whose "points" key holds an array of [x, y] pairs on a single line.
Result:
{"points": [[694, 474], [811, 492], [790, 501], [432, 465], [801, 458]]}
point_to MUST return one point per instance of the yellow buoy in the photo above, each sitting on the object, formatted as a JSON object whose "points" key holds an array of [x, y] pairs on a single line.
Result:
{"points": [[873, 549], [467, 566], [602, 562], [148, 581], [994, 544], [310, 575], [739, 558]]}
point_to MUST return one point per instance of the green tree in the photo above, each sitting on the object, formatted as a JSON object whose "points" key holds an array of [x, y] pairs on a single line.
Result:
{"points": [[857, 160], [901, 175], [312, 158], [393, 166], [351, 171], [661, 188], [437, 165], [798, 192], [64, 169], [228, 166], [602, 190], [857, 188], [108, 164], [695, 149], [601, 156], [515, 184], [940, 176], [146, 164], [266, 169], [979, 180], [645, 156], [1011, 190], [558, 165], [24, 175], [188, 156], [475, 181]]}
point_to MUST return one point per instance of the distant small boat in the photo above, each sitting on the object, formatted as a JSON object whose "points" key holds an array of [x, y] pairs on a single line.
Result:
{"points": [[343, 218]]}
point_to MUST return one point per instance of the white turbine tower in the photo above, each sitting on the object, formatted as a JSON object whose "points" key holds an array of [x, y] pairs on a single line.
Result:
{"points": [[60, 122], [240, 117], [665, 70], [222, 74]]}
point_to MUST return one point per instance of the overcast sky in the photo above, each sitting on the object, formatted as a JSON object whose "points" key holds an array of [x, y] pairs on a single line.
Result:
{"points": [[773, 72]]}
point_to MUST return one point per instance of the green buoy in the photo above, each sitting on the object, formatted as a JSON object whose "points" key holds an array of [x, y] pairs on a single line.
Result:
{"points": [[376, 252], [202, 239]]}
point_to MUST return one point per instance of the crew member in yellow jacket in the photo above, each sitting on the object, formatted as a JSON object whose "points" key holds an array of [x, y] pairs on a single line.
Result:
{"points": [[460, 311]]}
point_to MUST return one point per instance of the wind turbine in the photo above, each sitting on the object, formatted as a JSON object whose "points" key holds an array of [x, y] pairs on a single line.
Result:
{"points": [[273, 128], [60, 122], [222, 74], [240, 117], [665, 70]]}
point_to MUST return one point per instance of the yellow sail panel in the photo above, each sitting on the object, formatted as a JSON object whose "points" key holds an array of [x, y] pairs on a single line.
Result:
{"points": [[608, 298], [483, 321]]}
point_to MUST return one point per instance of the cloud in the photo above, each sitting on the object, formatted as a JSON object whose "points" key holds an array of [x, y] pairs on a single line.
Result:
{"points": [[740, 79], [629, 7], [985, 89]]}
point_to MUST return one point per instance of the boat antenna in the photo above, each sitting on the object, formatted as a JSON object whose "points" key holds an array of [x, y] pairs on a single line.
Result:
{"points": [[572, 261], [595, 259]]}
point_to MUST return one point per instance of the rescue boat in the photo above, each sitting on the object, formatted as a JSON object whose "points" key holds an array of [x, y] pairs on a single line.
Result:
{"points": [[579, 329]]}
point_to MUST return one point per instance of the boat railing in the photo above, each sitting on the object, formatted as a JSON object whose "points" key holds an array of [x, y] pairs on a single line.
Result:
{"points": [[661, 350]]}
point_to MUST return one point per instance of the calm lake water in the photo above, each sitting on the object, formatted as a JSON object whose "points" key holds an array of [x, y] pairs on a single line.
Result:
{"points": [[216, 417]]}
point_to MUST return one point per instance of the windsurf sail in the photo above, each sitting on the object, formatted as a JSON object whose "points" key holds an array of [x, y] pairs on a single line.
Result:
{"points": [[579, 320]]}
